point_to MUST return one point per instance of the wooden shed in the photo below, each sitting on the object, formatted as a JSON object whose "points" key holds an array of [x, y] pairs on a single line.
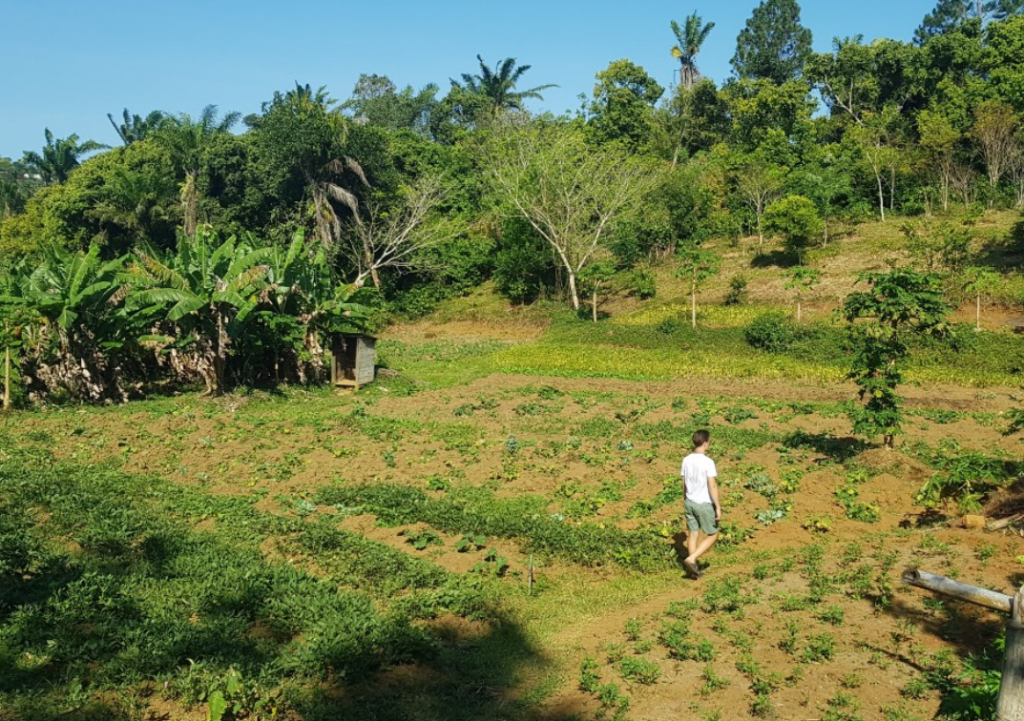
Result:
{"points": [[353, 359]]}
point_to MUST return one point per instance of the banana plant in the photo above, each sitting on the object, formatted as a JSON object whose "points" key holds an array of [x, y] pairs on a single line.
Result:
{"points": [[207, 289], [15, 315], [72, 301], [302, 287]]}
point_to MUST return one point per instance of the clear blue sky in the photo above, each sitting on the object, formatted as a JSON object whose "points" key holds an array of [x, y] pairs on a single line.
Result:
{"points": [[68, 62]]}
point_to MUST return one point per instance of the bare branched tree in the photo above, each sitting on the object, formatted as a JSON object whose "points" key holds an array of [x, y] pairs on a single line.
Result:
{"points": [[1016, 169], [994, 127], [759, 183], [570, 193], [394, 237]]}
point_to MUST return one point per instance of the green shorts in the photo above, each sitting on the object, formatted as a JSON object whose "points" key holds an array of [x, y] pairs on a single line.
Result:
{"points": [[701, 516]]}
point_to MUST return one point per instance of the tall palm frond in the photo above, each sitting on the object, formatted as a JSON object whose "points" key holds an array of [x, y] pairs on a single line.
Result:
{"points": [[59, 157], [498, 85], [186, 139], [134, 128], [689, 42]]}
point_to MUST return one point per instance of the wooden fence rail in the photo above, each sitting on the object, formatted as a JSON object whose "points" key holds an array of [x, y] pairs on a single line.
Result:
{"points": [[1010, 703]]}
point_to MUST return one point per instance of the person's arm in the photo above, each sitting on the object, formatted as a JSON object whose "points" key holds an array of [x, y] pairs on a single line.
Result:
{"points": [[713, 490]]}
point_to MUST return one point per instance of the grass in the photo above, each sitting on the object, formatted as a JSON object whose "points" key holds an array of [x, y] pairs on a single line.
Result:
{"points": [[107, 583], [716, 349], [661, 345], [261, 599], [367, 555]]}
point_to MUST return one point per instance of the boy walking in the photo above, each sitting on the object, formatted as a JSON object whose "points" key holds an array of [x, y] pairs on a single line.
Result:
{"points": [[703, 511]]}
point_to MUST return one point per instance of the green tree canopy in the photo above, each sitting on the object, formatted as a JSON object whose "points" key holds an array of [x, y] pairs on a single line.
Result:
{"points": [[950, 15], [773, 45], [377, 101], [796, 219], [623, 104]]}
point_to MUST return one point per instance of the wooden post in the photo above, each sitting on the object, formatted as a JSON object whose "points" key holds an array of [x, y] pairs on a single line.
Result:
{"points": [[1010, 702], [334, 362], [7, 367]]}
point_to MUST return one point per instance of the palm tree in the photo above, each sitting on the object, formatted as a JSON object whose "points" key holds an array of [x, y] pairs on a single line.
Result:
{"points": [[301, 136], [498, 85], [60, 156], [139, 201], [306, 94], [689, 41], [186, 139], [135, 128]]}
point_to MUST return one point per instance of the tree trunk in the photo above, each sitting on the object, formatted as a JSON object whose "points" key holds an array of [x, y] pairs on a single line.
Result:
{"points": [[594, 303], [376, 277], [190, 205], [944, 187], [7, 376], [219, 360], [881, 196], [760, 233], [574, 295], [693, 301], [892, 189]]}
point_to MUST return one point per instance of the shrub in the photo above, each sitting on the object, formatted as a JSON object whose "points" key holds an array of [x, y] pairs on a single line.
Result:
{"points": [[642, 284], [773, 332], [796, 219], [737, 290]]}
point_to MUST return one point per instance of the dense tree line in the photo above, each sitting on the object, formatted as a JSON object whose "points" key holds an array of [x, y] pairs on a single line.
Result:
{"points": [[419, 195]]}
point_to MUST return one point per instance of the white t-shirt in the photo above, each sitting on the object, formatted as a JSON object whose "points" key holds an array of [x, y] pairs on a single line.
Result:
{"points": [[697, 469]]}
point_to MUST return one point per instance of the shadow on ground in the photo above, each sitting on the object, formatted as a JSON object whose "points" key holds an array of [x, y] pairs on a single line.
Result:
{"points": [[112, 602]]}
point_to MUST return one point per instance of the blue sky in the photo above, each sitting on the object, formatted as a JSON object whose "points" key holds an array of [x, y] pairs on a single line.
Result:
{"points": [[78, 61]]}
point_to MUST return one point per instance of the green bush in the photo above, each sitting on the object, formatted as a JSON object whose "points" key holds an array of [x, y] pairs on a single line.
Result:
{"points": [[641, 284], [737, 290], [796, 219], [773, 332]]}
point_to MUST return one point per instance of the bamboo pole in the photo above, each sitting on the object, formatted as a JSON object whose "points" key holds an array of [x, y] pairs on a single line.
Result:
{"points": [[1010, 702], [960, 591]]}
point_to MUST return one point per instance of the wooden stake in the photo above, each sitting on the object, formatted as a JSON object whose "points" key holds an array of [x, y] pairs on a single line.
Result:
{"points": [[1010, 703], [7, 367]]}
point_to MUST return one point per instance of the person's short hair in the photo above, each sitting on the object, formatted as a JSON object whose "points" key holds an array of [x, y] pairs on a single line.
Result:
{"points": [[700, 438]]}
